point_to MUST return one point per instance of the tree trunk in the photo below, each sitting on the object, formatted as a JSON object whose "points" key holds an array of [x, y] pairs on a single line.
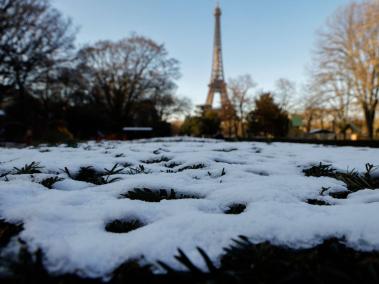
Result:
{"points": [[369, 118], [309, 122], [242, 115], [242, 128], [22, 97]]}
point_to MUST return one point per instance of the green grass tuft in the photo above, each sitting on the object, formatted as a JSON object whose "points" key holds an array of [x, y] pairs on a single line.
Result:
{"points": [[235, 209], [317, 202], [138, 170], [321, 170], [172, 165], [49, 182], [32, 168], [123, 226], [148, 195], [156, 160], [226, 150], [89, 174], [354, 180], [191, 167]]}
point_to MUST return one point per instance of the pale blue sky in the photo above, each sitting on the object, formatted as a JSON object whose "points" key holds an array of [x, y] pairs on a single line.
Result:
{"points": [[269, 39]]}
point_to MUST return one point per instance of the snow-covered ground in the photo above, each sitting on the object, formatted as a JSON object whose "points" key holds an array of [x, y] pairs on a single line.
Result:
{"points": [[68, 222]]}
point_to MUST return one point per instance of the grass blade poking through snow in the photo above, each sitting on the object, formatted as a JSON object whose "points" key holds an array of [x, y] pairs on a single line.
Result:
{"points": [[354, 180], [123, 226], [321, 170], [32, 168], [148, 195], [156, 160], [138, 170], [235, 209], [49, 182], [185, 168], [89, 174]]}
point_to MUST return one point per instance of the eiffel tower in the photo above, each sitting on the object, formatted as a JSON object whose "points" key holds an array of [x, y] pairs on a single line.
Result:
{"points": [[217, 83]]}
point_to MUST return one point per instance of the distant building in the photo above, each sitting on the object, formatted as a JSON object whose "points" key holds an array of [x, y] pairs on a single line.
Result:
{"points": [[321, 134], [350, 132], [295, 128], [137, 132]]}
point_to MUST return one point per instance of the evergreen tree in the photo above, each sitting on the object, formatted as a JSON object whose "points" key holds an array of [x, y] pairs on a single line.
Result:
{"points": [[268, 119], [207, 124]]}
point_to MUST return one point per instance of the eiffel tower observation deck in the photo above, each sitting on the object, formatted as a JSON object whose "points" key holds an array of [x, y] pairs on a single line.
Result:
{"points": [[217, 83]]}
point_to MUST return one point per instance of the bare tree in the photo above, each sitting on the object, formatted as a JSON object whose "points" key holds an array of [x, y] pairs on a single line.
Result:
{"points": [[329, 99], [33, 37], [285, 91], [315, 106], [126, 71], [169, 105], [241, 97], [348, 56]]}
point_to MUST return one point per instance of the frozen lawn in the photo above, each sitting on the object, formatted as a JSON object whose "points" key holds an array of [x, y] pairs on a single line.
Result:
{"points": [[187, 188]]}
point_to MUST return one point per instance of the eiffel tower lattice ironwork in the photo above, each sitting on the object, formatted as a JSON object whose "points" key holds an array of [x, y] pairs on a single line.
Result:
{"points": [[217, 83]]}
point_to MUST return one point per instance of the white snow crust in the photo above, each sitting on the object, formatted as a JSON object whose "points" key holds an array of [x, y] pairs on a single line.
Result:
{"points": [[68, 221]]}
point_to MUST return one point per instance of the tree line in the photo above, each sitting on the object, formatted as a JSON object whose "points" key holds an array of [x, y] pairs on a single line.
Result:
{"points": [[342, 90], [344, 74], [263, 113], [53, 91]]}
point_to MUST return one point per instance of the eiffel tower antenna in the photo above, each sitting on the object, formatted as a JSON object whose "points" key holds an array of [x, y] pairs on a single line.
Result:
{"points": [[217, 83]]}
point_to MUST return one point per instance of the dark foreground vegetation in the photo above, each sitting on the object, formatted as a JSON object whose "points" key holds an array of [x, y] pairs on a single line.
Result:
{"points": [[242, 262]]}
